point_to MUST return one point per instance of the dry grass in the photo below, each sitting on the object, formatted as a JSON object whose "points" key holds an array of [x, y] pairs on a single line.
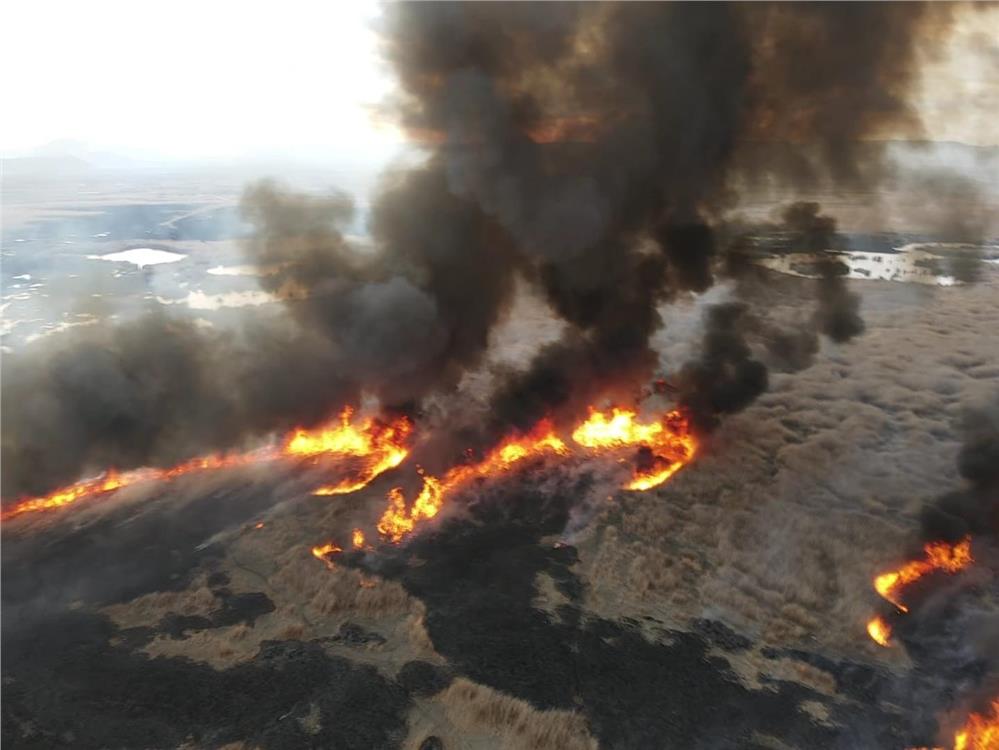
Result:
{"points": [[794, 506], [469, 715], [150, 609], [311, 601]]}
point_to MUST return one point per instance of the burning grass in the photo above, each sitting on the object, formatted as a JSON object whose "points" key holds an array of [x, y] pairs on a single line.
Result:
{"points": [[659, 448], [376, 444], [937, 557]]}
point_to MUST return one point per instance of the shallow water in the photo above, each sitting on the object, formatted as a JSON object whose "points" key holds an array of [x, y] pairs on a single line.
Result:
{"points": [[141, 256], [937, 263]]}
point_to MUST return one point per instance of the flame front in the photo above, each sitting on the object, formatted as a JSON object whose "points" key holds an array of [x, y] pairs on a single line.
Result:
{"points": [[381, 446], [942, 556], [399, 519], [113, 480], [665, 445]]}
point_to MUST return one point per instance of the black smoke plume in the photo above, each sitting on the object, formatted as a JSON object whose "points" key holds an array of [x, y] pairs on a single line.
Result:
{"points": [[973, 509], [837, 314], [590, 149]]}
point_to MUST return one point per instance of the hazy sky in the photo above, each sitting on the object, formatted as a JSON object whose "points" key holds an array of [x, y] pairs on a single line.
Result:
{"points": [[192, 79], [224, 79]]}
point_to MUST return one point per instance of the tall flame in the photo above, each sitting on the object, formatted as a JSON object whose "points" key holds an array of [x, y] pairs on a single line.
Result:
{"points": [[382, 445], [668, 442]]}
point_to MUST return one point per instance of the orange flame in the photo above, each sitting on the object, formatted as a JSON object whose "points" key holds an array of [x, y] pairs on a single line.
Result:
{"points": [[980, 732], [382, 446], [108, 483], [114, 480], [668, 441], [879, 630], [938, 556], [399, 520], [357, 538], [322, 552]]}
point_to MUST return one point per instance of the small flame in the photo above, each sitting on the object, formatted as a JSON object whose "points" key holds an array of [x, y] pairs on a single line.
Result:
{"points": [[879, 630], [942, 556], [323, 551], [111, 481], [357, 539]]}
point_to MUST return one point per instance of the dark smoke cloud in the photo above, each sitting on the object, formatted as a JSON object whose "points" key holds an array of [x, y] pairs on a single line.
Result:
{"points": [[604, 139], [726, 378], [590, 149], [838, 311], [408, 317], [973, 509], [395, 323], [156, 391]]}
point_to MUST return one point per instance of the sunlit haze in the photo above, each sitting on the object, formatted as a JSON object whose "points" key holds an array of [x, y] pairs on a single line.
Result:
{"points": [[193, 80], [295, 80]]}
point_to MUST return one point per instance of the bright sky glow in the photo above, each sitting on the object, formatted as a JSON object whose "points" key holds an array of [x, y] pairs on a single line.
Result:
{"points": [[292, 79], [192, 79]]}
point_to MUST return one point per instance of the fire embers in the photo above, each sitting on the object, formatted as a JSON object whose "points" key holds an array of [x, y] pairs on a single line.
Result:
{"points": [[373, 445], [937, 557]]}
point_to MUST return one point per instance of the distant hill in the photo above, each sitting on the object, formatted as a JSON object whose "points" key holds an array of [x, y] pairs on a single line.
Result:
{"points": [[44, 166]]}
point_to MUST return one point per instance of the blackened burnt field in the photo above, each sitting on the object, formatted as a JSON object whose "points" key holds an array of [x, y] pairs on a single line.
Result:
{"points": [[724, 610], [74, 677]]}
